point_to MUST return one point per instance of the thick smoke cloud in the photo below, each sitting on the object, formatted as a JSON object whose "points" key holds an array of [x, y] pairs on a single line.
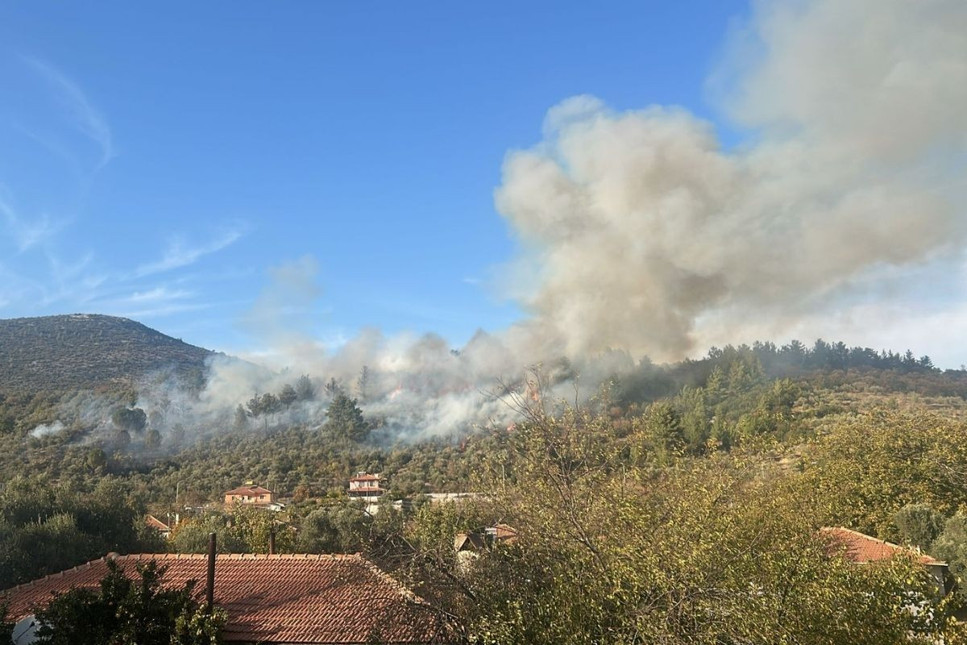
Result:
{"points": [[418, 386], [643, 235], [653, 238]]}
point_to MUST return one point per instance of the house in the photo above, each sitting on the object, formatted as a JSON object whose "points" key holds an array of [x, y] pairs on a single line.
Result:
{"points": [[153, 522], [469, 545], [501, 534], [275, 599], [485, 538], [365, 485], [250, 494], [366, 488], [862, 549]]}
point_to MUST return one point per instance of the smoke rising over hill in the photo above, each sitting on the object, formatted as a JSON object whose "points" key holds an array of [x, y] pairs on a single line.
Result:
{"points": [[641, 234]]}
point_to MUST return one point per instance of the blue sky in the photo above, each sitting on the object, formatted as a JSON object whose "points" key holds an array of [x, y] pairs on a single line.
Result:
{"points": [[158, 162], [225, 171]]}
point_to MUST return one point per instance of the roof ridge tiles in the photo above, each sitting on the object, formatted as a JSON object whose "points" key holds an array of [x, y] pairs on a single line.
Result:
{"points": [[864, 536], [52, 576], [139, 557], [858, 534]]}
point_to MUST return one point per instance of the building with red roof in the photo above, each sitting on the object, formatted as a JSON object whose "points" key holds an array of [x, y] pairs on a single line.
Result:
{"points": [[250, 494], [862, 549], [469, 545], [275, 599], [365, 485], [154, 523], [367, 488]]}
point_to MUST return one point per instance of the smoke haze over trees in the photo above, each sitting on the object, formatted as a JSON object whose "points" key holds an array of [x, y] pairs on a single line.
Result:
{"points": [[643, 235]]}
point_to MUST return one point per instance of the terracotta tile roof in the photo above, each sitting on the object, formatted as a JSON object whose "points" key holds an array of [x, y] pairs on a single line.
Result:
{"points": [[469, 542], [864, 548], [365, 477], [155, 523], [483, 538], [276, 598], [249, 490], [505, 533]]}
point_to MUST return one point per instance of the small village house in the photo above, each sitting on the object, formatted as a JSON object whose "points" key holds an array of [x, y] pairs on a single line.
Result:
{"points": [[469, 545], [153, 522], [485, 538], [367, 488], [250, 494]]}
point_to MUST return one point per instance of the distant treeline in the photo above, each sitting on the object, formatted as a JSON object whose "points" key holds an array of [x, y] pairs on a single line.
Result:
{"points": [[649, 382]]}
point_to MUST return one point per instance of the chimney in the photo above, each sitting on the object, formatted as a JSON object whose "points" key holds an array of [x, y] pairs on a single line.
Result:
{"points": [[272, 541], [210, 590]]}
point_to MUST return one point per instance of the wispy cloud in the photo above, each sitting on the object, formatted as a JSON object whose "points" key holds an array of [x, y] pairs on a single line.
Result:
{"points": [[159, 294], [160, 310], [86, 117], [152, 300], [179, 254], [69, 280], [55, 148], [25, 232], [12, 286]]}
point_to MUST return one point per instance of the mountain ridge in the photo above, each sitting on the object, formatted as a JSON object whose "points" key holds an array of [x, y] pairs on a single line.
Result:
{"points": [[85, 351]]}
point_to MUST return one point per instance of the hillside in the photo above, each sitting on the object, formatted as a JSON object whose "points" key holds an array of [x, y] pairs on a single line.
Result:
{"points": [[82, 351], [711, 474]]}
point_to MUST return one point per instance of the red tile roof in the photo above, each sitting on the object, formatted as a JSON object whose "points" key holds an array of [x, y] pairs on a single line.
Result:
{"points": [[155, 523], [249, 490], [365, 477], [505, 533], [276, 598], [859, 547]]}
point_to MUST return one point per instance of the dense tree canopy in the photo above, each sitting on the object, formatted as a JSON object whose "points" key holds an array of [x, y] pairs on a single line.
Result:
{"points": [[44, 530], [129, 419], [127, 610], [712, 553], [344, 419]]}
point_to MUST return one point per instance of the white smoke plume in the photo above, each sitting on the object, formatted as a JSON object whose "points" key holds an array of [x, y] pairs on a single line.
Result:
{"points": [[653, 238], [418, 386], [643, 235], [46, 429]]}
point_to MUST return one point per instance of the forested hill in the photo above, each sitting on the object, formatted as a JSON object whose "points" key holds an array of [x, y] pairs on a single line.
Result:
{"points": [[83, 351]]}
